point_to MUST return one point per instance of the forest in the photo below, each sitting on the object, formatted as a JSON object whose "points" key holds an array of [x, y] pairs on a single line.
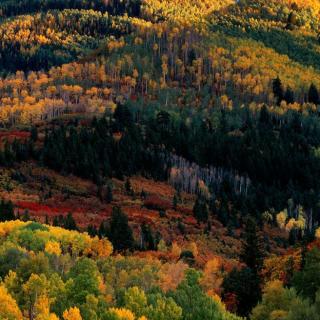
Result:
{"points": [[159, 160]]}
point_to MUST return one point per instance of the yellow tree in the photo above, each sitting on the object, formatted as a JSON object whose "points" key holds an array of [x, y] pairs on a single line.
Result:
{"points": [[72, 314], [8, 306]]}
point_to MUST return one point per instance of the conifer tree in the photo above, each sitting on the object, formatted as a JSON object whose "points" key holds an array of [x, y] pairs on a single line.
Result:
{"points": [[252, 251], [6, 211], [120, 234], [313, 95], [277, 90], [200, 210], [69, 222]]}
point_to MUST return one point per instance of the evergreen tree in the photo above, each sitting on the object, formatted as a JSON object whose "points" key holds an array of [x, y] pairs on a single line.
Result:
{"points": [[92, 230], [109, 194], [128, 187], [200, 210], [26, 216], [252, 251], [264, 117], [102, 232], [69, 222], [307, 281], [147, 238], [289, 96], [120, 234], [34, 134], [277, 90], [245, 285], [313, 95], [175, 202], [6, 211], [123, 117]]}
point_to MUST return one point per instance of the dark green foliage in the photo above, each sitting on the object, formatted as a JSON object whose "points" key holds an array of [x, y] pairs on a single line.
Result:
{"points": [[69, 222], [245, 285], [188, 257], [307, 281], [109, 194], [175, 202], [123, 118], [260, 152], [278, 90], [147, 238], [128, 187], [196, 305], [6, 211], [92, 230], [120, 233], [34, 134], [10, 260], [66, 222], [289, 96], [313, 95], [85, 281], [115, 7], [252, 250], [33, 226], [200, 210]]}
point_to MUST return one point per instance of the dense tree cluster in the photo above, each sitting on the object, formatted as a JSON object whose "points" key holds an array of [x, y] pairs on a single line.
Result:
{"points": [[52, 273], [10, 8], [219, 98]]}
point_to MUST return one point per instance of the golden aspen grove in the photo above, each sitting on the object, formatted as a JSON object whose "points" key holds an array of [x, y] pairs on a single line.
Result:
{"points": [[159, 160]]}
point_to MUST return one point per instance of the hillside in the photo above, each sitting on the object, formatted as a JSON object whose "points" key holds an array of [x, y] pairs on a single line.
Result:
{"points": [[157, 150]]}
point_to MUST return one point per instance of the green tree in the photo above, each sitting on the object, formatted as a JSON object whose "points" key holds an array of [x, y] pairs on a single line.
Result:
{"points": [[313, 95], [200, 210], [282, 303], [6, 211], [252, 248], [195, 304], [83, 281], [120, 233], [307, 281], [245, 285], [69, 222], [289, 96], [277, 90]]}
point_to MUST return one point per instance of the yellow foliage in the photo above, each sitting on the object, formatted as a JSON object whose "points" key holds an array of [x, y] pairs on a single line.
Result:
{"points": [[7, 227], [9, 309], [175, 250], [53, 247], [72, 314], [101, 248], [123, 314], [281, 218]]}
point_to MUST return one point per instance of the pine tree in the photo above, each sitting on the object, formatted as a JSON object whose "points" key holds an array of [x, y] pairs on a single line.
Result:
{"points": [[92, 230], [120, 234], [6, 211], [289, 96], [277, 90], [200, 210], [175, 202], [109, 194], [128, 187], [252, 251], [313, 95], [34, 134], [147, 238], [102, 232], [69, 222]]}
